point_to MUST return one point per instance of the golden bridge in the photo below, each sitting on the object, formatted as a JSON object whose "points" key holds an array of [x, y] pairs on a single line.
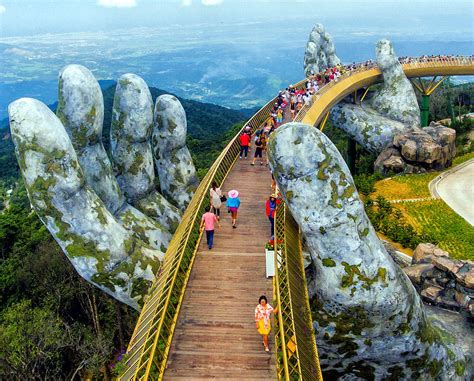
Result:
{"points": [[197, 322]]}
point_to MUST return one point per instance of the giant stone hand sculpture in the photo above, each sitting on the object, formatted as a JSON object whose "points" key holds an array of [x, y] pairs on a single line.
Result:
{"points": [[388, 122], [369, 320], [109, 219]]}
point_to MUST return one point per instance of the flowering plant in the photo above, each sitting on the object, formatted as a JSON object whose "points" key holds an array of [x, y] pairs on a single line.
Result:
{"points": [[270, 245]]}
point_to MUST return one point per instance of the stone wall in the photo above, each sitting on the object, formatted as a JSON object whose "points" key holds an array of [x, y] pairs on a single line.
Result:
{"points": [[441, 280]]}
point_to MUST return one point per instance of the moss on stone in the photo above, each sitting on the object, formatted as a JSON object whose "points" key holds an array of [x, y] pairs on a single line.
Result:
{"points": [[136, 166], [171, 125], [354, 276], [460, 368], [328, 262], [334, 196], [322, 167]]}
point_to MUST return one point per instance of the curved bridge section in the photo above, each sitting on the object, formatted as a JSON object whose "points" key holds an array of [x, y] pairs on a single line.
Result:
{"points": [[362, 77], [296, 357]]}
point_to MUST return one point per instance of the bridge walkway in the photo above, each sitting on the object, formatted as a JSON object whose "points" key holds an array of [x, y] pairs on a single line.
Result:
{"points": [[215, 336]]}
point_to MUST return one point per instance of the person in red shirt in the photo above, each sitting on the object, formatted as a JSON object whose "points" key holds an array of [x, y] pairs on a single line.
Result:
{"points": [[207, 222], [244, 144], [270, 207]]}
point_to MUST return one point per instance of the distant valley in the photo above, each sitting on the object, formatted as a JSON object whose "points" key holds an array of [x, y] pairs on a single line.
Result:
{"points": [[242, 70]]}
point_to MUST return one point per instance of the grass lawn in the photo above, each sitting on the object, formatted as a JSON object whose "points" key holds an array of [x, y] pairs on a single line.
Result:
{"points": [[433, 217], [436, 218], [405, 187]]}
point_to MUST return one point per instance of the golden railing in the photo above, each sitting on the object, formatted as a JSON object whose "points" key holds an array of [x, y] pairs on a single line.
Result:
{"points": [[363, 76], [297, 356], [148, 349]]}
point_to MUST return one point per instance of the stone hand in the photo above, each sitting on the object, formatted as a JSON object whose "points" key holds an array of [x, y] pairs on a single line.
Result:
{"points": [[367, 315], [108, 217], [390, 111]]}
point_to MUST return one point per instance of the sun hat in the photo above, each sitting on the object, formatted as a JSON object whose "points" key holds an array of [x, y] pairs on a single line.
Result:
{"points": [[273, 195], [233, 193]]}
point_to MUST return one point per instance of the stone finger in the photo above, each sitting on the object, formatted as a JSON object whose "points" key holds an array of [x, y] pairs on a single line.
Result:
{"points": [[396, 98], [130, 133], [355, 274], [174, 164], [81, 110], [100, 248]]}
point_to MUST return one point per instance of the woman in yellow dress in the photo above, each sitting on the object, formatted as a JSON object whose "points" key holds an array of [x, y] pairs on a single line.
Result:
{"points": [[262, 319]]}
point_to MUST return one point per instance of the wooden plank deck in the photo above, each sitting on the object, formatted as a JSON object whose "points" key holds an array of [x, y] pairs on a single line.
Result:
{"points": [[215, 337]]}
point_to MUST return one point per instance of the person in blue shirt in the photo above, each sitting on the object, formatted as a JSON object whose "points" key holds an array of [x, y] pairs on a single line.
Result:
{"points": [[233, 203]]}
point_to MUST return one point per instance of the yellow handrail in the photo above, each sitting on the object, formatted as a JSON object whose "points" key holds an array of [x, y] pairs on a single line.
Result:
{"points": [[297, 355]]}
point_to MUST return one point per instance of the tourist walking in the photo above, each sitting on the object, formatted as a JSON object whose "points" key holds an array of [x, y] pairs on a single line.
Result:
{"points": [[244, 139], [207, 222], [258, 150], [279, 115], [292, 106], [233, 204], [216, 198], [270, 207], [262, 319]]}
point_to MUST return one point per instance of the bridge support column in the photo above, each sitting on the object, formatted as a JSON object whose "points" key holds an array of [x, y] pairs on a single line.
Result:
{"points": [[425, 110], [351, 155], [426, 91]]}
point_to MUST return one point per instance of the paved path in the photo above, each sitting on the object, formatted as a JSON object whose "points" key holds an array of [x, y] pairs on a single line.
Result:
{"points": [[456, 188], [215, 337]]}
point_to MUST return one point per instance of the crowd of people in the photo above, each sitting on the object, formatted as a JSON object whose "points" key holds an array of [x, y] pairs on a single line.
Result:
{"points": [[433, 58]]}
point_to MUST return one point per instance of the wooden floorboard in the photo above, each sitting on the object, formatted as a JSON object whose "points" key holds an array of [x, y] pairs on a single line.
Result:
{"points": [[215, 337]]}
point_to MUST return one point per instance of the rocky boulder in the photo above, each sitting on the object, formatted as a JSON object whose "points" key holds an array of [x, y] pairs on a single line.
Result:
{"points": [[442, 280], [425, 252], [418, 151]]}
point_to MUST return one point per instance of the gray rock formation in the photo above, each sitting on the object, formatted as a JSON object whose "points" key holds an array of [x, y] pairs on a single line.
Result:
{"points": [[441, 280], [320, 52], [101, 249], [392, 110], [81, 111], [368, 318], [130, 134], [72, 187], [173, 161], [429, 148]]}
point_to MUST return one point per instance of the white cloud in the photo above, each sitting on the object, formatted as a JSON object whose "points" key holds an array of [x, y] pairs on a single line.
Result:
{"points": [[117, 3], [2, 9], [211, 2], [186, 3]]}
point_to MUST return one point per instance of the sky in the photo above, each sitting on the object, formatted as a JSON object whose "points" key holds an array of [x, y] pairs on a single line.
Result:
{"points": [[449, 19]]}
